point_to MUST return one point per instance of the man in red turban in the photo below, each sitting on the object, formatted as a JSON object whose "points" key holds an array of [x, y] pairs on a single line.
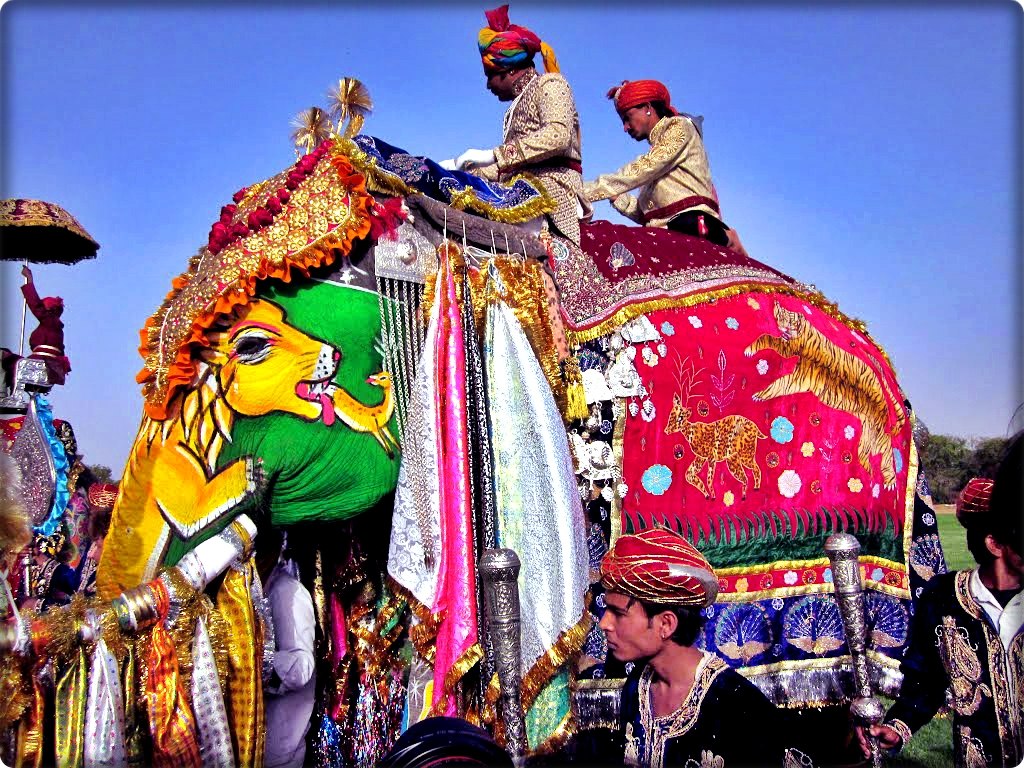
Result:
{"points": [[541, 128], [673, 177], [680, 705]]}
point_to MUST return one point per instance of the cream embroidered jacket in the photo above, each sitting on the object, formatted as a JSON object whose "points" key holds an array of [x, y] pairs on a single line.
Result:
{"points": [[542, 130], [674, 168]]}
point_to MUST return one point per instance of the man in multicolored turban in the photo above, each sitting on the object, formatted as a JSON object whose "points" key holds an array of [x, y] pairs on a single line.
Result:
{"points": [[673, 177], [541, 128], [680, 705], [967, 634]]}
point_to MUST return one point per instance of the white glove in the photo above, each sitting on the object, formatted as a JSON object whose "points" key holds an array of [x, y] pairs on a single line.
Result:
{"points": [[448, 165], [474, 157]]}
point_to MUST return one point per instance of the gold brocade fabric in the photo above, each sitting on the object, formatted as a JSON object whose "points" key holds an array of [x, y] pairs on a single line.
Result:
{"points": [[69, 726], [526, 294], [171, 720], [30, 731], [673, 169], [542, 125], [39, 213], [245, 688], [323, 216]]}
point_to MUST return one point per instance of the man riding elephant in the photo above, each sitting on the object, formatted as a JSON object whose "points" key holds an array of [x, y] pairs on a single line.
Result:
{"points": [[541, 134], [673, 177]]}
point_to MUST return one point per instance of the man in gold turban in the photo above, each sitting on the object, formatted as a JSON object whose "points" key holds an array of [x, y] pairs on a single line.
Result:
{"points": [[673, 177], [680, 705], [541, 134]]}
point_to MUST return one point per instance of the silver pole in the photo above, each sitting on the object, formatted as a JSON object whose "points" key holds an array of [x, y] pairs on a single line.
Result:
{"points": [[500, 571], [843, 552]]}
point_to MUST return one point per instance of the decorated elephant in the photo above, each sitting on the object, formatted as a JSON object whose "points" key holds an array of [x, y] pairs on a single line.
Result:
{"points": [[318, 367]]}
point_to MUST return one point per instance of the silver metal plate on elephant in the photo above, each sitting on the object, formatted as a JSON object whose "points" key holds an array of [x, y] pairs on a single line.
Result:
{"points": [[39, 476], [410, 257]]}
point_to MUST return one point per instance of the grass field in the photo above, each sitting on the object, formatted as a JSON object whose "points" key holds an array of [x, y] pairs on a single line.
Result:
{"points": [[932, 746]]}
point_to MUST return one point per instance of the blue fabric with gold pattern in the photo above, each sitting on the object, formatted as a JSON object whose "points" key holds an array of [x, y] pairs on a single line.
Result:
{"points": [[513, 203]]}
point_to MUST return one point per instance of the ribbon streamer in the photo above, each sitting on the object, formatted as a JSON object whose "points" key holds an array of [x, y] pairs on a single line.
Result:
{"points": [[104, 716], [245, 644], [69, 721]]}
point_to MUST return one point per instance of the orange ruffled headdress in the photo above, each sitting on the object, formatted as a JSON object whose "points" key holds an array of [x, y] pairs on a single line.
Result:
{"points": [[504, 46], [659, 566]]}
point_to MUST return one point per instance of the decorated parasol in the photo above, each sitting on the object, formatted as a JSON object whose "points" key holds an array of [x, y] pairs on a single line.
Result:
{"points": [[42, 233]]}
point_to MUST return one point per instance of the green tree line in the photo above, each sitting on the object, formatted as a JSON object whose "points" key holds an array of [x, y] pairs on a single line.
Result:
{"points": [[949, 461]]}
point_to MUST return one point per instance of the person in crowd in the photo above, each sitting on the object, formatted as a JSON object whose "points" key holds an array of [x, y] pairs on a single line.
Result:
{"points": [[673, 177], [541, 134], [680, 705], [442, 741], [967, 634], [290, 692]]}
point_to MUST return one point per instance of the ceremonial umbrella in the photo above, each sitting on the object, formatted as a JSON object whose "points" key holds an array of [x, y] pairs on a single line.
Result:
{"points": [[42, 233]]}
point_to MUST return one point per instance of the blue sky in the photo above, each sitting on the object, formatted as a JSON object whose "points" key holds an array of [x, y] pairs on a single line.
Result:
{"points": [[871, 150]]}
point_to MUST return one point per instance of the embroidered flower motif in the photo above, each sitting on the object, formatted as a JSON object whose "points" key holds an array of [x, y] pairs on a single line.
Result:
{"points": [[928, 518], [650, 357], [827, 576], [772, 459], [752, 303], [810, 576], [790, 578], [709, 612], [848, 432], [741, 585], [695, 321], [789, 483], [877, 574], [703, 408], [668, 329], [782, 430], [919, 591], [778, 603], [732, 323], [814, 419], [767, 581], [762, 366], [815, 486], [728, 498], [875, 490], [897, 458], [807, 449], [620, 256], [855, 485], [657, 479]]}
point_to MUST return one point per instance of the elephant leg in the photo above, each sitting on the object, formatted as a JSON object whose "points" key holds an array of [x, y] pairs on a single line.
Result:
{"points": [[693, 477]]}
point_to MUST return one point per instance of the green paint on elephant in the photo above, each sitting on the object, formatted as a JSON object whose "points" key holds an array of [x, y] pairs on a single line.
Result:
{"points": [[316, 472]]}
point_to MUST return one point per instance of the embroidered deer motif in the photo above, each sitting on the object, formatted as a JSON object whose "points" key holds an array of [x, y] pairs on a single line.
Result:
{"points": [[732, 439]]}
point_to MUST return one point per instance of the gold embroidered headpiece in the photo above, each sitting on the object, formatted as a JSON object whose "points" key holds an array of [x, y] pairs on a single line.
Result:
{"points": [[659, 566]]}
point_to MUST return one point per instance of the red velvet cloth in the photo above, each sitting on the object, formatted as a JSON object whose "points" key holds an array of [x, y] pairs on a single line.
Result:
{"points": [[621, 252]]}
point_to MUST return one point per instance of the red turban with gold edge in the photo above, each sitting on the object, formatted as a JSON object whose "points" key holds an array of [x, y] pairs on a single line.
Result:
{"points": [[102, 495], [504, 46], [635, 92], [659, 566], [972, 503]]}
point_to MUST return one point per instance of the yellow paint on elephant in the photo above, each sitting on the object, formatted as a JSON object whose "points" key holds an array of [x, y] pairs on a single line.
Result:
{"points": [[256, 364]]}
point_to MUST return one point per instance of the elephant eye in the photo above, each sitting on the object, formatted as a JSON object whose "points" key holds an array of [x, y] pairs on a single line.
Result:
{"points": [[253, 348]]}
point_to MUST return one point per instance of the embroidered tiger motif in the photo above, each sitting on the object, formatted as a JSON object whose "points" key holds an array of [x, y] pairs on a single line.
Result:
{"points": [[839, 380]]}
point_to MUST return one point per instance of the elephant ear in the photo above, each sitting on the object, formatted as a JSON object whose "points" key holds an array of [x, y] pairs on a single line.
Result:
{"points": [[315, 470]]}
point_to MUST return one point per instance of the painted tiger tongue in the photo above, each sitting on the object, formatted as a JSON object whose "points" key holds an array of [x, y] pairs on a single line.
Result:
{"points": [[327, 408]]}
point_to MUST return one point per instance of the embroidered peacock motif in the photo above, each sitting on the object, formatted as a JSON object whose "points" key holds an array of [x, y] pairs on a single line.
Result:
{"points": [[840, 380]]}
